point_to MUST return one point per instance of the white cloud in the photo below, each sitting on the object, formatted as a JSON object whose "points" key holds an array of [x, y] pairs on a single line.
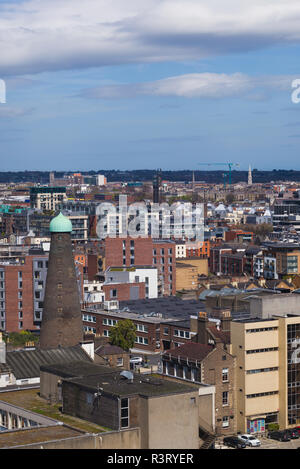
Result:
{"points": [[41, 35], [197, 85]]}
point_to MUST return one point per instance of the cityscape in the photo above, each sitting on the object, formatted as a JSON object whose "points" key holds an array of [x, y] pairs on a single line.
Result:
{"points": [[149, 228]]}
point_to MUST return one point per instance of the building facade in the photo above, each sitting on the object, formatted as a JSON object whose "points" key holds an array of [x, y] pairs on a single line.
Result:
{"points": [[268, 369]]}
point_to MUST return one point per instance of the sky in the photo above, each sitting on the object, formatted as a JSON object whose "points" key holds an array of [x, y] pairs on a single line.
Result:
{"points": [[146, 84]]}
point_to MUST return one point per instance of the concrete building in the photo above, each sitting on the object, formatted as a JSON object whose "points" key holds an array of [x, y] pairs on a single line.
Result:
{"points": [[166, 412], [268, 370]]}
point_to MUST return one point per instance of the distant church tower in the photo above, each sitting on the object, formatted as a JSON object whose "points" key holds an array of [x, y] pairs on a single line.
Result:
{"points": [[62, 321], [249, 176]]}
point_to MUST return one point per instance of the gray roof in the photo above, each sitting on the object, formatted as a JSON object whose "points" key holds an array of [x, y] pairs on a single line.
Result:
{"points": [[170, 307], [26, 363], [112, 382]]}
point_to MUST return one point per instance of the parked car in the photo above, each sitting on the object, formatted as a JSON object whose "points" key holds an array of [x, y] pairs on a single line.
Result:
{"points": [[136, 360], [279, 435], [234, 442], [249, 440], [293, 433]]}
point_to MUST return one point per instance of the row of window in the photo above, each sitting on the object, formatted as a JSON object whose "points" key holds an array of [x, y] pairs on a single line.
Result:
{"points": [[141, 340], [261, 370], [261, 394], [88, 318], [262, 329], [179, 333], [260, 350]]}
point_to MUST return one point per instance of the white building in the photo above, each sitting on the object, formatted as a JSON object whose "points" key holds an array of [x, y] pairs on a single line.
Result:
{"points": [[93, 291], [148, 275]]}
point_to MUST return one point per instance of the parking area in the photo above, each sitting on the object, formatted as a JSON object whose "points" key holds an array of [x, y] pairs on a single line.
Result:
{"points": [[266, 443]]}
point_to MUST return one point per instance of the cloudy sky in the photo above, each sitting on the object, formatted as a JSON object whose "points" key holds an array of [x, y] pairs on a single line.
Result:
{"points": [[115, 84]]}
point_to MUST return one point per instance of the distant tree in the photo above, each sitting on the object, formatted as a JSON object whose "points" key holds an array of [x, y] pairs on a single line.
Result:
{"points": [[20, 339], [229, 198], [123, 334]]}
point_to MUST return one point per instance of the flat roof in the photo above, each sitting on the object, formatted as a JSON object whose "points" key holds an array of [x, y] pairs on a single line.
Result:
{"points": [[18, 438], [109, 381]]}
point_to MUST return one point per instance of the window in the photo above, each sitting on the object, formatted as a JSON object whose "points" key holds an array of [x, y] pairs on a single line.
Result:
{"points": [[124, 413], [119, 361], [224, 375], [225, 421], [113, 293], [225, 398]]}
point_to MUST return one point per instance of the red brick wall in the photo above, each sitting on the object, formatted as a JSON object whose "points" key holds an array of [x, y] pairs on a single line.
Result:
{"points": [[143, 255], [123, 291], [11, 296], [114, 251]]}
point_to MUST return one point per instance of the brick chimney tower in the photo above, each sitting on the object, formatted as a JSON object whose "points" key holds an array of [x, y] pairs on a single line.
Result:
{"points": [[62, 321]]}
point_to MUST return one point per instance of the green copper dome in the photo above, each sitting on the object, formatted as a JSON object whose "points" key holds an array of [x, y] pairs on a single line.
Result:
{"points": [[60, 224]]}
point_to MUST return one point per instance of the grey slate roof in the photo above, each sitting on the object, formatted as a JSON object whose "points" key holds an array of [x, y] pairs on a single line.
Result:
{"points": [[26, 363]]}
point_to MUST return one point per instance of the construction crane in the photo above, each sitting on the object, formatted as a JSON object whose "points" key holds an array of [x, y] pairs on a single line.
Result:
{"points": [[230, 166]]}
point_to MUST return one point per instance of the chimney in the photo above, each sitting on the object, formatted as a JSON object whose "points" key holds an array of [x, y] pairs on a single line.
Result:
{"points": [[202, 328], [225, 320]]}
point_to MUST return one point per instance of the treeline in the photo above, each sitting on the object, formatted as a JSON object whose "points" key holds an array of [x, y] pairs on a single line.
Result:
{"points": [[186, 176]]}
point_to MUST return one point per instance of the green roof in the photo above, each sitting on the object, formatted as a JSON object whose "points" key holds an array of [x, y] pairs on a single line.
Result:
{"points": [[60, 224]]}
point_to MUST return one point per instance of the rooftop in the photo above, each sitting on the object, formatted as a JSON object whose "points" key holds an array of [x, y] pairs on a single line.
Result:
{"points": [[110, 381]]}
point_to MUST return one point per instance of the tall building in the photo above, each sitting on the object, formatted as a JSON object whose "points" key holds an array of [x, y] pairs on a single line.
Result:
{"points": [[22, 282], [157, 187], [47, 198], [268, 370], [62, 321], [249, 176]]}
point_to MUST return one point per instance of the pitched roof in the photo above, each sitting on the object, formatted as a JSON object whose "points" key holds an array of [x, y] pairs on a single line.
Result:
{"points": [[191, 350], [108, 349], [26, 363], [224, 336]]}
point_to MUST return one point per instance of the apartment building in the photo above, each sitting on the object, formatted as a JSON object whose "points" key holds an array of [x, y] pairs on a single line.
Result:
{"points": [[22, 285], [100, 322], [209, 365], [286, 257], [47, 198], [268, 372], [159, 254]]}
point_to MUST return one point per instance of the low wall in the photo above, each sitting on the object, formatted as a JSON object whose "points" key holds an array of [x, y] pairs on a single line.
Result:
{"points": [[125, 439]]}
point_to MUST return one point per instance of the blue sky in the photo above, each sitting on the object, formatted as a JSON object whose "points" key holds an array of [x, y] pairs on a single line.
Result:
{"points": [[108, 84]]}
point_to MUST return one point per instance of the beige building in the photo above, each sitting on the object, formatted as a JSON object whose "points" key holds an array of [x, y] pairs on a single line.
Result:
{"points": [[187, 272], [267, 372], [180, 250]]}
